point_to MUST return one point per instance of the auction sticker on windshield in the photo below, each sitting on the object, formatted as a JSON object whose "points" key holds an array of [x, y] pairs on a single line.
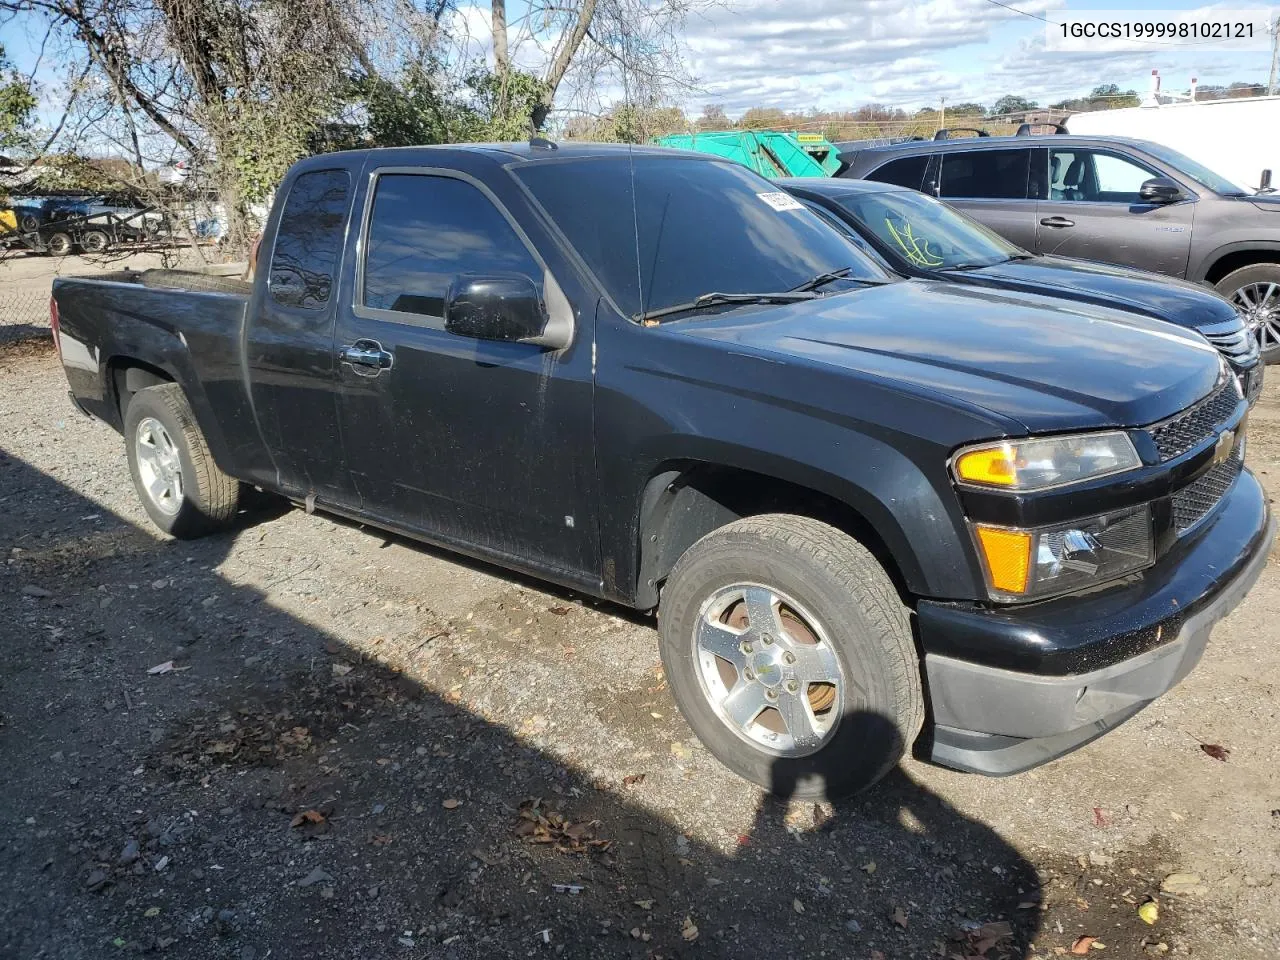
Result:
{"points": [[781, 201]]}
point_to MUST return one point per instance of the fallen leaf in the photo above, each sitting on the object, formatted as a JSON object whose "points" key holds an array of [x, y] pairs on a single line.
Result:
{"points": [[1149, 912], [1182, 883], [451, 804], [655, 714], [643, 904], [690, 930], [743, 839], [341, 669], [797, 906], [820, 817], [558, 611], [1216, 750], [1081, 947], [160, 668], [899, 916], [151, 912], [307, 816], [1100, 818], [870, 868], [632, 779]]}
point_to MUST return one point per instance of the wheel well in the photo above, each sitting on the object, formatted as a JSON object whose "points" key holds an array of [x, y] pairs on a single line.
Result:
{"points": [[126, 376], [685, 502], [1240, 258]]}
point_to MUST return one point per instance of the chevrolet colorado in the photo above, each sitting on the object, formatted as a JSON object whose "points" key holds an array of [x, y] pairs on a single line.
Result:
{"points": [[872, 515]]}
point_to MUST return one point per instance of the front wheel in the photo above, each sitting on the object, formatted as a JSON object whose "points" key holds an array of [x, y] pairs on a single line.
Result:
{"points": [[59, 244], [181, 488], [1255, 293], [94, 241], [790, 654]]}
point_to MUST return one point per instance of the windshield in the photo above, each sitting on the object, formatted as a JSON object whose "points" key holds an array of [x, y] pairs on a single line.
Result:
{"points": [[688, 227], [925, 233], [1196, 171]]}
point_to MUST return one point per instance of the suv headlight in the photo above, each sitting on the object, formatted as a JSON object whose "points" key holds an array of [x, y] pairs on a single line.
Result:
{"points": [[1030, 564], [1039, 463]]}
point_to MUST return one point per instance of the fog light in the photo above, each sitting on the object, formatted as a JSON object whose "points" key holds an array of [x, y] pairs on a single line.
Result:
{"points": [[1031, 564]]}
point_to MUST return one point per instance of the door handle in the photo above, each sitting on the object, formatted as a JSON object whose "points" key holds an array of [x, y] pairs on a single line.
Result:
{"points": [[1057, 222], [366, 354]]}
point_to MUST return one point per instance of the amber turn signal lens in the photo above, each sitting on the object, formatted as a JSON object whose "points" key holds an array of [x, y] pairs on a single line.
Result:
{"points": [[1008, 557], [992, 465]]}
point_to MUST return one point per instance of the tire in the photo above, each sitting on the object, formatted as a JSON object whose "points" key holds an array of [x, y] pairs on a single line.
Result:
{"points": [[59, 244], [161, 433], [845, 600], [28, 223], [94, 241], [1250, 290]]}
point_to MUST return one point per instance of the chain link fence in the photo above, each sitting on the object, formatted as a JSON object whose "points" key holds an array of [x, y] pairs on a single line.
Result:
{"points": [[24, 314]]}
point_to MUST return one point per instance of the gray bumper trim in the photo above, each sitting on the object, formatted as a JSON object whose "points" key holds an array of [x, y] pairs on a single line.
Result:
{"points": [[994, 721]]}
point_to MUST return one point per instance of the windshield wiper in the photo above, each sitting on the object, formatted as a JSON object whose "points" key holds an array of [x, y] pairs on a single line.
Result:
{"points": [[712, 299], [824, 278]]}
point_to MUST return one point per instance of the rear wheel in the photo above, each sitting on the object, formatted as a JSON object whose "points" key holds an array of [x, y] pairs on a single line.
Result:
{"points": [[180, 486], [94, 241], [1255, 293], [59, 244], [28, 222], [791, 656]]}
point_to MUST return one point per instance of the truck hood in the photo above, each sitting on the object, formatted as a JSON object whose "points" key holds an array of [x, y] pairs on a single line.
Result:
{"points": [[1049, 365], [1165, 298], [1265, 201]]}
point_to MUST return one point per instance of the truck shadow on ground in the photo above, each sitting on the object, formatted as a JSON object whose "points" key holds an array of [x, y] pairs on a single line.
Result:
{"points": [[277, 793]]}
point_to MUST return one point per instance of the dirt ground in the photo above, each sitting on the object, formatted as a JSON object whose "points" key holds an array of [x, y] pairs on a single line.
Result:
{"points": [[364, 748]]}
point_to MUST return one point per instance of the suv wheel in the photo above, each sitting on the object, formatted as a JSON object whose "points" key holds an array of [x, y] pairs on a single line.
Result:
{"points": [[791, 656], [1255, 293]]}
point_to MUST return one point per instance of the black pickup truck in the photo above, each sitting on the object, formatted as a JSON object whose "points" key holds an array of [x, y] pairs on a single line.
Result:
{"points": [[871, 515]]}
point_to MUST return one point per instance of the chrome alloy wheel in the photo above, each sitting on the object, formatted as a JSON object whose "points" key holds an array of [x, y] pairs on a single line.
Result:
{"points": [[159, 465], [1259, 306], [768, 669]]}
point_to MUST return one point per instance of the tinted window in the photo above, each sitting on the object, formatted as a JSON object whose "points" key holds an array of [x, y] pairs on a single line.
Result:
{"points": [[309, 240], [905, 171], [660, 231], [426, 230], [925, 233], [985, 174], [1088, 175]]}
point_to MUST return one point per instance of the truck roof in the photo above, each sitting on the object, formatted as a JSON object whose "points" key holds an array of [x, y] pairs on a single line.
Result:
{"points": [[1064, 140]]}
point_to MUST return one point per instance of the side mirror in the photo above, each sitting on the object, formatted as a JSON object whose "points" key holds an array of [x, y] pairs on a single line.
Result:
{"points": [[501, 307], [1159, 190]]}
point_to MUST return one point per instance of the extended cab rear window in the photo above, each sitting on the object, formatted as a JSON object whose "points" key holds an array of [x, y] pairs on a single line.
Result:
{"points": [[658, 231], [309, 239]]}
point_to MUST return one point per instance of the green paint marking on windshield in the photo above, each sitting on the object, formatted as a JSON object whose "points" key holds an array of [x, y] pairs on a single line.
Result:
{"points": [[916, 248]]}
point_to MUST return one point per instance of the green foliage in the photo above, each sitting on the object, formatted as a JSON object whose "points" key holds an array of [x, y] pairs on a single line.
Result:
{"points": [[17, 103], [1012, 103], [259, 139]]}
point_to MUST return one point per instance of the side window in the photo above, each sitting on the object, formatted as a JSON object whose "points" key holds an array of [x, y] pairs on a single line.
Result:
{"points": [[985, 174], [905, 171], [1087, 175], [309, 239], [425, 230]]}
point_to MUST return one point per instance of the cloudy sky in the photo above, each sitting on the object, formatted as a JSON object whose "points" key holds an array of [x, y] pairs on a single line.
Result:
{"points": [[840, 53]]}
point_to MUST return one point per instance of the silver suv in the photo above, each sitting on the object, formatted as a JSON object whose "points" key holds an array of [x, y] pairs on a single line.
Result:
{"points": [[1113, 199]]}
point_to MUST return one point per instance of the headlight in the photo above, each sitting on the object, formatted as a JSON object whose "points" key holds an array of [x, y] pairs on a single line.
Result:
{"points": [[1040, 463], [1029, 564]]}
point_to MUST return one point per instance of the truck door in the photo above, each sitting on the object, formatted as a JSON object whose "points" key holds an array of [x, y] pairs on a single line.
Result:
{"points": [[482, 444], [289, 339], [1092, 210]]}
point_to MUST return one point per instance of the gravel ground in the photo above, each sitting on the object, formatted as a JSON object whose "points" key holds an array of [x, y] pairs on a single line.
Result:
{"points": [[365, 748]]}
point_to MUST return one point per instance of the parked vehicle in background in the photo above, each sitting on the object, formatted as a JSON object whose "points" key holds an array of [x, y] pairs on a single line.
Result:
{"points": [[919, 236], [1235, 137], [1130, 202], [767, 152], [653, 377]]}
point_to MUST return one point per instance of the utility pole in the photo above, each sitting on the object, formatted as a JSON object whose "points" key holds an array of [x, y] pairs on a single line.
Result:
{"points": [[942, 110], [1275, 55]]}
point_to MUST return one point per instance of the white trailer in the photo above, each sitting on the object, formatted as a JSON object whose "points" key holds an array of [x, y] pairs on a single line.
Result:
{"points": [[1235, 138]]}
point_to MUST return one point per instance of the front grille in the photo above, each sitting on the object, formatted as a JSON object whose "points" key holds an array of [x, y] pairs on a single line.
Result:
{"points": [[1193, 502], [1176, 436], [1236, 344]]}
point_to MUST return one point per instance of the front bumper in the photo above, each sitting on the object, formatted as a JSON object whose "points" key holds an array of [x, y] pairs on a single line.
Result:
{"points": [[1070, 669]]}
